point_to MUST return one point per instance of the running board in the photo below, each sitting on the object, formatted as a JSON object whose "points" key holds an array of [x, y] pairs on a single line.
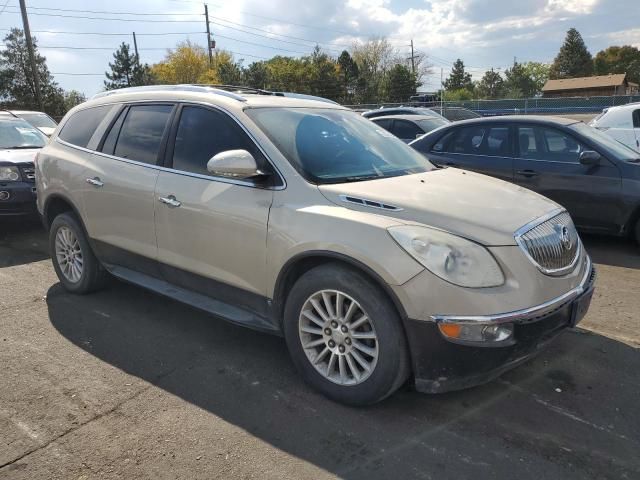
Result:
{"points": [[230, 313]]}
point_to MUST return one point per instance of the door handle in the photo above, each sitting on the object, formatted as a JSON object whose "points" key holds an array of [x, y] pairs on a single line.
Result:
{"points": [[527, 173], [170, 201], [95, 181]]}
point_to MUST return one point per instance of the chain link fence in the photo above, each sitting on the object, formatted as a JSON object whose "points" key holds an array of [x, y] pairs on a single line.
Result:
{"points": [[524, 106]]}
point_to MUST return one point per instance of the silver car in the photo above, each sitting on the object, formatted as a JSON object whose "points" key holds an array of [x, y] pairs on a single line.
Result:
{"points": [[304, 219]]}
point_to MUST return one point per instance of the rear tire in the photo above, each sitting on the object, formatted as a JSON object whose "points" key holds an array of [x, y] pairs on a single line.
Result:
{"points": [[334, 311], [73, 260]]}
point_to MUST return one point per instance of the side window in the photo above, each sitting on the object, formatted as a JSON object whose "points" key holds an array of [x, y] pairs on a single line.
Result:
{"points": [[559, 146], [109, 144], [497, 144], [636, 118], [406, 130], [385, 123], [442, 143], [81, 126], [527, 142], [141, 133], [467, 140], [202, 133]]}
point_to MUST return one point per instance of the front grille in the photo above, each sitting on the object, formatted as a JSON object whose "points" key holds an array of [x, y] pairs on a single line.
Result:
{"points": [[28, 173], [553, 245]]}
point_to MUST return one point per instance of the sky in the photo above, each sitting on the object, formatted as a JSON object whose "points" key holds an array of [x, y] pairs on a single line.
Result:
{"points": [[78, 37]]}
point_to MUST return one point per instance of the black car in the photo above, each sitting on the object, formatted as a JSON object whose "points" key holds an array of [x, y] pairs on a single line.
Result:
{"points": [[596, 178], [385, 112], [455, 114], [409, 127]]}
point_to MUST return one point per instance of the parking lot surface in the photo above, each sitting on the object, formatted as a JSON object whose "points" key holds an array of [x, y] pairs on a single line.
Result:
{"points": [[126, 384]]}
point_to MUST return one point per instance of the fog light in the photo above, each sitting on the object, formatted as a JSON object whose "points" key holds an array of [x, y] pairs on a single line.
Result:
{"points": [[4, 195], [465, 332]]}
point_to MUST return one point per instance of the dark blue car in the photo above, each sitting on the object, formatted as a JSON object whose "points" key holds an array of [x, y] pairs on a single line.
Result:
{"points": [[596, 178]]}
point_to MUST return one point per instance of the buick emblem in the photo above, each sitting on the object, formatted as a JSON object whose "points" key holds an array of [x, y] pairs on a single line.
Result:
{"points": [[565, 239]]}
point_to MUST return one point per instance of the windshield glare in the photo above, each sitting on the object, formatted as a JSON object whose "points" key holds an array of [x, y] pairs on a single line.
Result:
{"points": [[39, 120], [619, 150], [333, 146], [16, 133]]}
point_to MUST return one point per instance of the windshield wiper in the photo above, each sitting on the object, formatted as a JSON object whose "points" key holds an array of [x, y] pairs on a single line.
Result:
{"points": [[362, 178]]}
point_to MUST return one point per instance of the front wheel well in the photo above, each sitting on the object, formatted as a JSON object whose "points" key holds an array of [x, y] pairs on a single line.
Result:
{"points": [[297, 266]]}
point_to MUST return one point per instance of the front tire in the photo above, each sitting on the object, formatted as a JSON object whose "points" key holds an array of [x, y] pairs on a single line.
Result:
{"points": [[345, 336], [73, 260]]}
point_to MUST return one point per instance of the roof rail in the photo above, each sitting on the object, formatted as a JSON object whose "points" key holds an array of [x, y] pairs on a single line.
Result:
{"points": [[10, 112], [171, 88], [238, 89]]}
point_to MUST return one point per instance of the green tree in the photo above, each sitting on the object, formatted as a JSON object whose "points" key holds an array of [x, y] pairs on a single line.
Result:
{"points": [[73, 98], [625, 59], [187, 63], [126, 70], [459, 78], [374, 58], [458, 94], [401, 83], [348, 75], [228, 71], [324, 79], [491, 85], [518, 80], [256, 75], [573, 60], [16, 77], [538, 73]]}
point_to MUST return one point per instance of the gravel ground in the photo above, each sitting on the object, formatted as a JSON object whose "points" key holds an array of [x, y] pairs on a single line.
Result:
{"points": [[127, 384]]}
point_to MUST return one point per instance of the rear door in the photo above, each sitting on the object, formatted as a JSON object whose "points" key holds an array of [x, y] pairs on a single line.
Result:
{"points": [[484, 148], [636, 128], [119, 199], [548, 163]]}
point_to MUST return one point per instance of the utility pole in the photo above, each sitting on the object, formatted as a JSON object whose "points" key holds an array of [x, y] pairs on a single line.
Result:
{"points": [[32, 57], [206, 17], [135, 47], [441, 91], [412, 58]]}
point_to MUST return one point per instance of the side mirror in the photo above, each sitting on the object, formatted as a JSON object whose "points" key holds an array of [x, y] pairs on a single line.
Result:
{"points": [[590, 157], [238, 164]]}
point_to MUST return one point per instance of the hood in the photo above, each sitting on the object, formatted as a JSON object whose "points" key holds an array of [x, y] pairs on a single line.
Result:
{"points": [[484, 209], [19, 155], [47, 130]]}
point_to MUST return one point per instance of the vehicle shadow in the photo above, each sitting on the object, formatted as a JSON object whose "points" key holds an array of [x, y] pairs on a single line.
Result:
{"points": [[570, 413], [614, 251], [22, 240]]}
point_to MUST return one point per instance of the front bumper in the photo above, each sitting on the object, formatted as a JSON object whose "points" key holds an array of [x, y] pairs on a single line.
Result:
{"points": [[441, 365], [21, 198]]}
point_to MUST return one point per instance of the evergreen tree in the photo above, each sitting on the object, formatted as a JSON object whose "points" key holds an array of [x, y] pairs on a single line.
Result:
{"points": [[348, 75], [491, 85], [458, 79], [573, 60], [17, 85], [126, 70], [256, 75], [401, 84]]}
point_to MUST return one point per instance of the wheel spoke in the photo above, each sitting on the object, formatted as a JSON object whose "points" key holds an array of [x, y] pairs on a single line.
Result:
{"points": [[354, 370], [363, 348], [359, 322], [342, 368], [328, 305], [339, 304], [364, 335], [350, 311], [318, 308], [313, 318], [363, 363], [321, 355], [332, 364], [311, 330], [314, 343]]}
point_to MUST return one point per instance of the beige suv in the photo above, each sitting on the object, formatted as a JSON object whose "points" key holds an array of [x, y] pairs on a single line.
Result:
{"points": [[301, 218]]}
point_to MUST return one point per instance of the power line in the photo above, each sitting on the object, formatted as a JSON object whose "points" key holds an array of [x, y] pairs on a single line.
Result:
{"points": [[110, 19], [110, 12], [126, 34]]}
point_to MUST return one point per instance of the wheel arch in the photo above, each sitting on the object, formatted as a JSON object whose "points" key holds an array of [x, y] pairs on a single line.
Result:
{"points": [[296, 266], [56, 204]]}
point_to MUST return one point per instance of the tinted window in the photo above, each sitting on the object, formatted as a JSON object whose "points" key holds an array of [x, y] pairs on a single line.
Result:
{"points": [[527, 142], [203, 133], [542, 143], [385, 123], [80, 127], [636, 118], [141, 133], [442, 143], [497, 143], [406, 130], [110, 142], [467, 140]]}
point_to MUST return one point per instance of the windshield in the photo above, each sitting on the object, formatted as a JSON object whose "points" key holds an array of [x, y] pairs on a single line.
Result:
{"points": [[16, 133], [38, 120], [619, 150], [334, 146]]}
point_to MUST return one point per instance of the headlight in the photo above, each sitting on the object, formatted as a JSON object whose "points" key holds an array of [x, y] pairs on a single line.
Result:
{"points": [[452, 258], [9, 174]]}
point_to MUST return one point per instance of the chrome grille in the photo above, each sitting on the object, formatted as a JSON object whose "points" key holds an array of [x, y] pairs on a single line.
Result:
{"points": [[552, 243], [28, 173]]}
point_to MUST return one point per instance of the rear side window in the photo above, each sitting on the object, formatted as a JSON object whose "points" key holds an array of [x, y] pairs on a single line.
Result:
{"points": [[141, 133], [385, 123], [81, 126], [636, 118], [406, 130], [203, 133], [467, 140]]}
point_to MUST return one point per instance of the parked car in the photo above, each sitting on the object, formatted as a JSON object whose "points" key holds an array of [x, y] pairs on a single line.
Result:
{"points": [[409, 127], [622, 123], [596, 178], [304, 219], [384, 112], [40, 120], [455, 114], [19, 143]]}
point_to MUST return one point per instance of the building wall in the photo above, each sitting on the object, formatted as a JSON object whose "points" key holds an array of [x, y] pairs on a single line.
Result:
{"points": [[589, 92]]}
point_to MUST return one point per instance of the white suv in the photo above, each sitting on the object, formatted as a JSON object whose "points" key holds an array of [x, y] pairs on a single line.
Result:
{"points": [[301, 218], [622, 123]]}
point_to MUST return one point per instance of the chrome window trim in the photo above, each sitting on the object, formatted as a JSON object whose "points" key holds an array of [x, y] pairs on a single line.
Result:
{"points": [[243, 183], [524, 229], [526, 314]]}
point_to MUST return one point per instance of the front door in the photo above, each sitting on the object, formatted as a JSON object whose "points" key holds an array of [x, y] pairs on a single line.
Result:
{"points": [[212, 235], [548, 163], [120, 184]]}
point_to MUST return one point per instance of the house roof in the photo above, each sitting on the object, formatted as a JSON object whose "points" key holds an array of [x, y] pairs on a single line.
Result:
{"points": [[611, 80]]}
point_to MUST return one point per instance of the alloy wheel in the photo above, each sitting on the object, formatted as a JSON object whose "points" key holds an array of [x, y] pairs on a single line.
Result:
{"points": [[69, 254]]}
